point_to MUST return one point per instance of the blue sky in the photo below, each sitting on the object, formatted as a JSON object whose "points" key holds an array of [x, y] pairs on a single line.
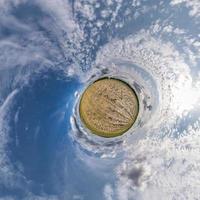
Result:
{"points": [[50, 51]]}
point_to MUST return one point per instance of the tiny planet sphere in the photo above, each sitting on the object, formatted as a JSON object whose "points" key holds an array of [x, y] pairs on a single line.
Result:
{"points": [[109, 107]]}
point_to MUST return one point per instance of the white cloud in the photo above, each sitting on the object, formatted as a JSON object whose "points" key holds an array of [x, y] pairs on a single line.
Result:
{"points": [[61, 12], [161, 60], [7, 173], [174, 168], [159, 168], [181, 37], [193, 5], [108, 192]]}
